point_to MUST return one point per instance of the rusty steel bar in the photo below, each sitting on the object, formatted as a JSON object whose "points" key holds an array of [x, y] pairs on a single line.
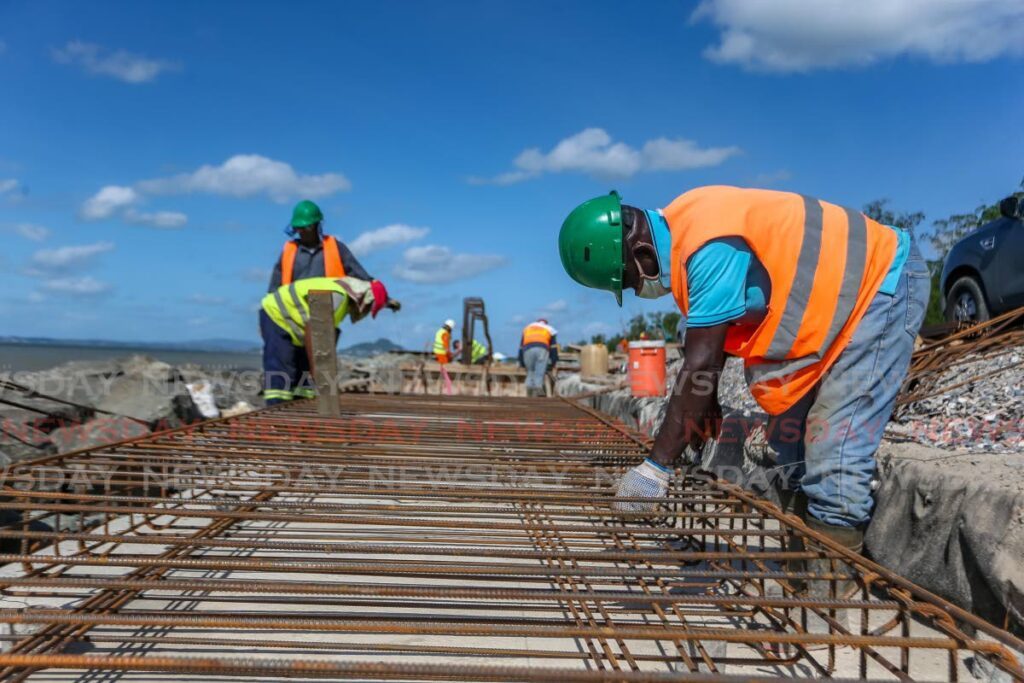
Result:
{"points": [[436, 538]]}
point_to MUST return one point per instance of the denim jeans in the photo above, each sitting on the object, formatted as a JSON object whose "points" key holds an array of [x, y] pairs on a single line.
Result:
{"points": [[535, 359], [827, 441], [285, 365]]}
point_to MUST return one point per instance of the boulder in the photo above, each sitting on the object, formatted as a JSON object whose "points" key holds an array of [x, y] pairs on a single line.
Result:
{"points": [[98, 432], [21, 441], [161, 404]]}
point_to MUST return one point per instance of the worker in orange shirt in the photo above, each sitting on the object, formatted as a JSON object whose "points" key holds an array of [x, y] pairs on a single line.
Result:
{"points": [[538, 349], [821, 302], [443, 342]]}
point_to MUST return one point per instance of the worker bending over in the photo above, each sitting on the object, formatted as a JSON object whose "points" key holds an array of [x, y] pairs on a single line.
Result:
{"points": [[283, 317], [538, 349], [821, 302], [311, 253], [479, 353], [443, 342]]}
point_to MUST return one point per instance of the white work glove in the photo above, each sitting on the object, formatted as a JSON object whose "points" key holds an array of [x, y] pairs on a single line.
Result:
{"points": [[646, 480]]}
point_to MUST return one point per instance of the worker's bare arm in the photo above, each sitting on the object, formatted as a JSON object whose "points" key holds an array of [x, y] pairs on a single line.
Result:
{"points": [[693, 414]]}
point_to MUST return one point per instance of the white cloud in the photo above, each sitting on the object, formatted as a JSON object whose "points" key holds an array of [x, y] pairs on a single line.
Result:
{"points": [[108, 201], [70, 256], [8, 185], [256, 274], [30, 231], [3, 47], [433, 264], [246, 175], [78, 286], [797, 36], [594, 152], [662, 154], [243, 175], [158, 219], [119, 200], [207, 300], [100, 61], [388, 236], [557, 306]]}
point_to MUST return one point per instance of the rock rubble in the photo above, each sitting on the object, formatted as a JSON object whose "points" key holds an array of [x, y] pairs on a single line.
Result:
{"points": [[139, 393], [986, 415]]}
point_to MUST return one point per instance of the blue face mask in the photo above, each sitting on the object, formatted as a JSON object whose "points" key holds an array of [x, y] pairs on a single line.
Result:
{"points": [[660, 286]]}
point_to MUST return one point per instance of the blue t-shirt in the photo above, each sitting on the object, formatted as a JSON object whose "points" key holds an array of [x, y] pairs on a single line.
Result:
{"points": [[727, 283]]}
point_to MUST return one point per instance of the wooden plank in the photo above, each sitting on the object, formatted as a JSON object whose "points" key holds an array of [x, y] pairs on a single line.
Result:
{"points": [[322, 342]]}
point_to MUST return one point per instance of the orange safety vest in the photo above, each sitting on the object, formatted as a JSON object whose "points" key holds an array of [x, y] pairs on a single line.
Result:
{"points": [[825, 264], [332, 260], [535, 333]]}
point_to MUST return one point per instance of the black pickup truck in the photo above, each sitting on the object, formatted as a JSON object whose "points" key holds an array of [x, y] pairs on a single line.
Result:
{"points": [[983, 275]]}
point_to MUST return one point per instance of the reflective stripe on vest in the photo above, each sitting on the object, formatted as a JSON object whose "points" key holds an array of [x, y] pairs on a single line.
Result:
{"points": [[332, 260], [479, 351], [288, 306], [825, 264], [535, 333], [441, 339]]}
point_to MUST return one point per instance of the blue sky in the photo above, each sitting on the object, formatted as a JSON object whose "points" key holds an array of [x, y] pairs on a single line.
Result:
{"points": [[150, 152]]}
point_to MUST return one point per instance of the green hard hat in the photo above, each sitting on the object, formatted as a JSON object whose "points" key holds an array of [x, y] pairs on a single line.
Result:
{"points": [[590, 244], [306, 213]]}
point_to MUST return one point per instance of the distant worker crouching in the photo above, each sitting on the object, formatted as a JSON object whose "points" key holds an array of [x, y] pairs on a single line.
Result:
{"points": [[479, 354], [443, 342], [283, 317], [821, 302], [538, 349]]}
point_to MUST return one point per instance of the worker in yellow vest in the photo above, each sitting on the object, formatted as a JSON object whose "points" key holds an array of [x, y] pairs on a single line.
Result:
{"points": [[311, 253], [479, 354], [443, 342], [821, 302], [538, 350], [283, 317]]}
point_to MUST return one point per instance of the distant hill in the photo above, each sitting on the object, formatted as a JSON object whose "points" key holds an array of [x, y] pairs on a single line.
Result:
{"points": [[369, 349], [212, 345]]}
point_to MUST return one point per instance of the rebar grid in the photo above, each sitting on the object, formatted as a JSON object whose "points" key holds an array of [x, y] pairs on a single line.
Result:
{"points": [[434, 538]]}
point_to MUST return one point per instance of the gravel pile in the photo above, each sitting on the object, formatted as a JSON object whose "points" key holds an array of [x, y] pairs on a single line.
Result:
{"points": [[981, 416]]}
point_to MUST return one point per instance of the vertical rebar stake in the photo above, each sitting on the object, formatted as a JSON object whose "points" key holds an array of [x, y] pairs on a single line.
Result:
{"points": [[324, 361]]}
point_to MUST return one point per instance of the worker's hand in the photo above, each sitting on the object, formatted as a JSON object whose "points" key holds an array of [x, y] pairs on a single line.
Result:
{"points": [[395, 305], [646, 480], [703, 427]]}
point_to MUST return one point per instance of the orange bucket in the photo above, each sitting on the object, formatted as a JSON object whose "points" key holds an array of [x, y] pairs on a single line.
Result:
{"points": [[647, 368]]}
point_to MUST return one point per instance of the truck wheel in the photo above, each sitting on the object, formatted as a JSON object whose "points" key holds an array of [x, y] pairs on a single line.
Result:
{"points": [[965, 302]]}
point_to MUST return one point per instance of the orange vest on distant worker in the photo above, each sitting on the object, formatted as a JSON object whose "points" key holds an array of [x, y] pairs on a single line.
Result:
{"points": [[535, 333], [825, 264], [332, 260]]}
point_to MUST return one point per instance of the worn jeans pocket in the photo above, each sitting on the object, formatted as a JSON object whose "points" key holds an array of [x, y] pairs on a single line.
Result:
{"points": [[918, 291]]}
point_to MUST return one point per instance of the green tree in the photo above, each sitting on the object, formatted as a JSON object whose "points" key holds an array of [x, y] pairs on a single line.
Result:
{"points": [[911, 221], [879, 210]]}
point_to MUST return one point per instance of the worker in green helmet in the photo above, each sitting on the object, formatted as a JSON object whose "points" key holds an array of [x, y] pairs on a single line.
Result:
{"points": [[311, 253], [308, 255], [822, 303]]}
